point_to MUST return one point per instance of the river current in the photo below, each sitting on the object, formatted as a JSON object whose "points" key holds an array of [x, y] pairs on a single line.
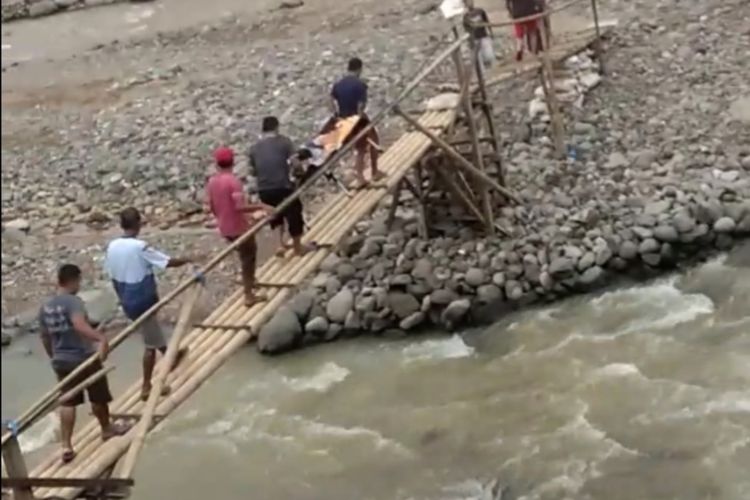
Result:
{"points": [[635, 393]]}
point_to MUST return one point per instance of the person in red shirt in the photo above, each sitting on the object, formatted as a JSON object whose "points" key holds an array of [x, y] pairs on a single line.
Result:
{"points": [[226, 200]]}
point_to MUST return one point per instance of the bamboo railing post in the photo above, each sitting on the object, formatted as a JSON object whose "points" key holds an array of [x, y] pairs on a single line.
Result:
{"points": [[183, 325], [465, 80], [461, 161], [15, 467], [598, 43], [548, 85]]}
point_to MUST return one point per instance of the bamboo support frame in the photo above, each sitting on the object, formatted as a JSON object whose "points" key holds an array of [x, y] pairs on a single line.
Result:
{"points": [[165, 366], [464, 80], [461, 161], [598, 42]]}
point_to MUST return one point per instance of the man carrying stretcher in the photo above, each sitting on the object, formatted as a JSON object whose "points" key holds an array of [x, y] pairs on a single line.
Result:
{"points": [[348, 101]]}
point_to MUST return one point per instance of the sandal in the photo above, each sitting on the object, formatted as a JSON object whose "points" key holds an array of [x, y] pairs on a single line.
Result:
{"points": [[307, 248], [68, 456]]}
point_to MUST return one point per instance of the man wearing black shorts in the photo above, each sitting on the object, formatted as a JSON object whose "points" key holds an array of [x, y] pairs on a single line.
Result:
{"points": [[270, 158], [68, 338]]}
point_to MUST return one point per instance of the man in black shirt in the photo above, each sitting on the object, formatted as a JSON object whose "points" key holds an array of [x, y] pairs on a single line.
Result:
{"points": [[349, 98], [476, 22]]}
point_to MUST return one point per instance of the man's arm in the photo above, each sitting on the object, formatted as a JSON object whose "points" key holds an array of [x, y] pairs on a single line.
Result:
{"points": [[161, 260], [85, 330]]}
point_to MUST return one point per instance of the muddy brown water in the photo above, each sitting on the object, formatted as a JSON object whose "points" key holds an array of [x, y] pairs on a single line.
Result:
{"points": [[636, 393]]}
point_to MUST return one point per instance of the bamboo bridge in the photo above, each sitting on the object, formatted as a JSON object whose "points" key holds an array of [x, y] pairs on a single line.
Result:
{"points": [[105, 469]]}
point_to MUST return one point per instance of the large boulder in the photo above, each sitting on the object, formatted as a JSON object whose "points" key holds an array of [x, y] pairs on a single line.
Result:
{"points": [[455, 312], [102, 304], [402, 304], [282, 333], [340, 305], [302, 303]]}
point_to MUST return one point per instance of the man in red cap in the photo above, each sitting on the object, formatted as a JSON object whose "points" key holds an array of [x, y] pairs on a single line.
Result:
{"points": [[226, 200]]}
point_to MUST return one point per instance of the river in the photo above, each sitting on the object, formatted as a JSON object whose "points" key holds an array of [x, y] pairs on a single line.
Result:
{"points": [[634, 393]]}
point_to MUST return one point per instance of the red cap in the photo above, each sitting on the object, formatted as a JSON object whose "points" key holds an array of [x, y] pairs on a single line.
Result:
{"points": [[224, 157]]}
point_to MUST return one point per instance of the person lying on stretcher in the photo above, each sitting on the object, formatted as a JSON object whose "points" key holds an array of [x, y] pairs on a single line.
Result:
{"points": [[348, 99]]}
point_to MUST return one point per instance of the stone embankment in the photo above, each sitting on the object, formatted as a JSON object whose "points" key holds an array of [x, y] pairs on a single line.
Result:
{"points": [[391, 282]]}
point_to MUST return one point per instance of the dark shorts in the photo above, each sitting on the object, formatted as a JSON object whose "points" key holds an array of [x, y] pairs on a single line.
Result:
{"points": [[98, 392], [295, 221]]}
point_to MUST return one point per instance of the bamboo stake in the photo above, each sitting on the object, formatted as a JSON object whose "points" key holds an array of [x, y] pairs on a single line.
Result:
{"points": [[422, 228], [461, 161], [598, 43], [394, 206], [558, 129], [183, 322], [15, 467]]}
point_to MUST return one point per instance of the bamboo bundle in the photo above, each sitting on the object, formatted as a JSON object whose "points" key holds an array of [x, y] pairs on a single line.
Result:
{"points": [[209, 348]]}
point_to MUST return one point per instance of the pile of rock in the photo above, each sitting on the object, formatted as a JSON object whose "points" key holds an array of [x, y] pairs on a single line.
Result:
{"points": [[391, 283]]}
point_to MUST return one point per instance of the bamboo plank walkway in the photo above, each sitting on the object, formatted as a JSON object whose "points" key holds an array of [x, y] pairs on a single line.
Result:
{"points": [[210, 347]]}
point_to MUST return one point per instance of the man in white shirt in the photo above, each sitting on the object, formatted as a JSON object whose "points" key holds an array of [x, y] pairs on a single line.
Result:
{"points": [[130, 263]]}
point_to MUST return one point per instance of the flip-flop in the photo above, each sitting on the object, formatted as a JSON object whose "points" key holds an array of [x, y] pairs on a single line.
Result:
{"points": [[68, 456]]}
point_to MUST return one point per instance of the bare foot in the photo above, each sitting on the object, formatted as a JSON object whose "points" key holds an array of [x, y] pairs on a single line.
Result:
{"points": [[254, 299], [115, 429], [305, 249], [68, 456], [378, 175], [146, 391]]}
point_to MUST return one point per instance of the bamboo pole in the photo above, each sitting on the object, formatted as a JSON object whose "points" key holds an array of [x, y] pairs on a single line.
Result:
{"points": [[423, 232], [183, 322], [548, 86], [459, 195], [487, 111], [461, 161], [598, 43], [15, 467]]}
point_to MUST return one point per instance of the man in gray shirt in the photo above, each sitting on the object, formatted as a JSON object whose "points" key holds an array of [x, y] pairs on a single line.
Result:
{"points": [[270, 157], [68, 338]]}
